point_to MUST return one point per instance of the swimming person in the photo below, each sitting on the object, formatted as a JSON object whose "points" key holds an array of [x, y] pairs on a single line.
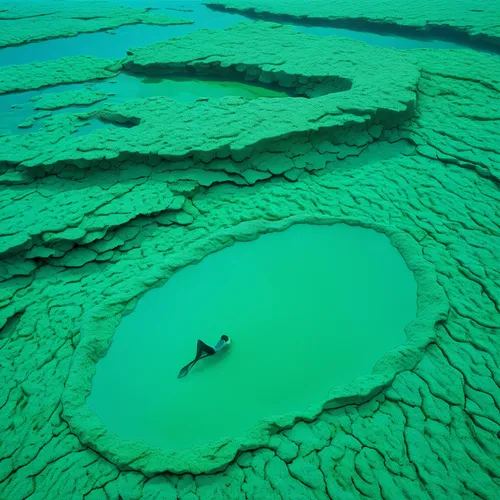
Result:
{"points": [[203, 350]]}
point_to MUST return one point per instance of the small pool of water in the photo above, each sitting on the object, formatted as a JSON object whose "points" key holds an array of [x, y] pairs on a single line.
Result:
{"points": [[188, 90], [127, 87], [307, 309]]}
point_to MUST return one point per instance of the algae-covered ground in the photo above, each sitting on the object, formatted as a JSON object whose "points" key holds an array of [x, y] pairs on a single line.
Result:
{"points": [[466, 20], [34, 21], [403, 142]]}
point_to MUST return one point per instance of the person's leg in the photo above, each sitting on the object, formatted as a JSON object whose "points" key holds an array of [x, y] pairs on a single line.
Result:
{"points": [[202, 351], [185, 370]]}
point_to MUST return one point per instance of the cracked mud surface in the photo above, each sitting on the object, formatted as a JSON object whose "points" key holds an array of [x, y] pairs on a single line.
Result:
{"points": [[89, 223]]}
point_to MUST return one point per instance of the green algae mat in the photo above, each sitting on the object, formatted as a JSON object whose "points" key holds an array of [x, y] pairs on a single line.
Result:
{"points": [[164, 200]]}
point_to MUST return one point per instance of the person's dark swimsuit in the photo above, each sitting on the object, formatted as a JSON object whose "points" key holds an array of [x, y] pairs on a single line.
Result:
{"points": [[202, 351]]}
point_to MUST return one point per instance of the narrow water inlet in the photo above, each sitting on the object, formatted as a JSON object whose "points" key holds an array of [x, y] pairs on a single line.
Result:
{"points": [[307, 309]]}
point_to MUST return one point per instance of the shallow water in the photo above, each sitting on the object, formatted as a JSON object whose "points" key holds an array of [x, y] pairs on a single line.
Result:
{"points": [[114, 44], [307, 309], [126, 87]]}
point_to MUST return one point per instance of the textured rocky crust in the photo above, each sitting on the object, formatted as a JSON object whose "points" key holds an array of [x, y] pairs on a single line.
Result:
{"points": [[59, 100], [466, 21], [26, 22], [409, 146], [71, 69]]}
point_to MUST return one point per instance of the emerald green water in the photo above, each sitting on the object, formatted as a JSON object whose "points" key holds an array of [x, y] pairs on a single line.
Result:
{"points": [[186, 89], [307, 309]]}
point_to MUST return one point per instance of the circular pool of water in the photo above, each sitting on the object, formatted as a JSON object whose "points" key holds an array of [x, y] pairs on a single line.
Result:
{"points": [[308, 309]]}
